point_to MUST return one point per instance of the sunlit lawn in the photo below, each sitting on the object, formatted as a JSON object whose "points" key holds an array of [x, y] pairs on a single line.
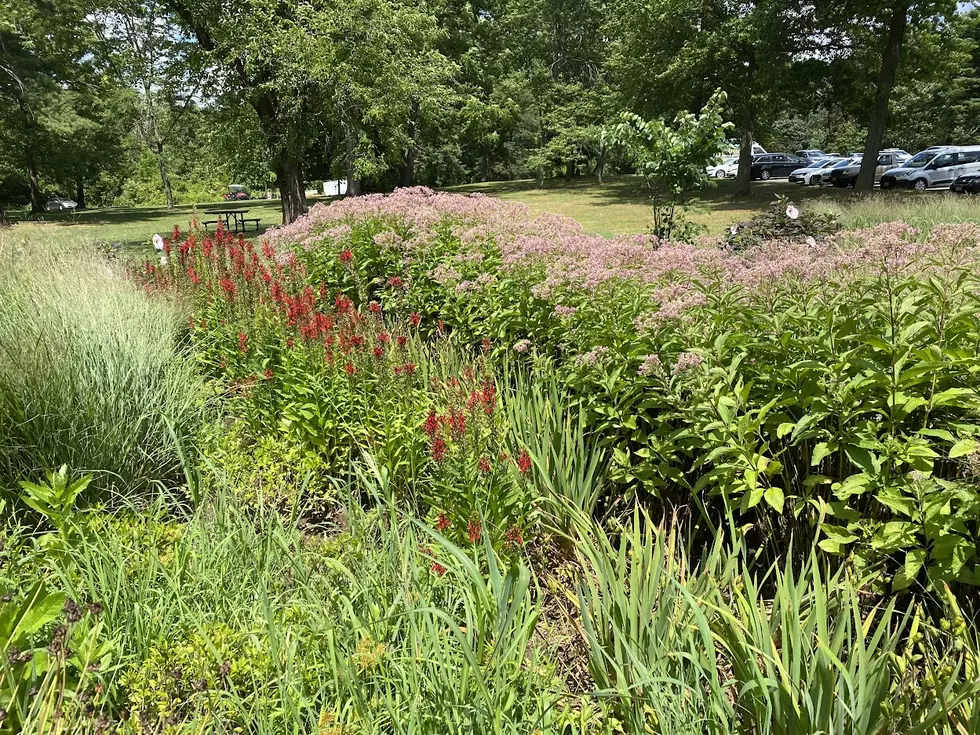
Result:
{"points": [[621, 205], [135, 226]]}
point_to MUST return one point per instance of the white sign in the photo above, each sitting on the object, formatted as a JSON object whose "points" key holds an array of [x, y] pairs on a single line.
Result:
{"points": [[335, 188]]}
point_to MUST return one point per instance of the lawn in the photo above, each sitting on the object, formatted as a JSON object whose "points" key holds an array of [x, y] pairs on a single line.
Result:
{"points": [[621, 204], [134, 226], [618, 206]]}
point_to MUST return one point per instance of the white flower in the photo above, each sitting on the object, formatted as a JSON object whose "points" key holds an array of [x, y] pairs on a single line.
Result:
{"points": [[792, 212], [158, 242], [733, 229], [164, 260], [811, 242]]}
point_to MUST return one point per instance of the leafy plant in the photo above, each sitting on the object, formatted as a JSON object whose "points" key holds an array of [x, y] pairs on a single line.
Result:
{"points": [[782, 221], [672, 159]]}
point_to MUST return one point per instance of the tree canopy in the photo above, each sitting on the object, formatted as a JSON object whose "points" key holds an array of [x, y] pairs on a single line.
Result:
{"points": [[169, 101]]}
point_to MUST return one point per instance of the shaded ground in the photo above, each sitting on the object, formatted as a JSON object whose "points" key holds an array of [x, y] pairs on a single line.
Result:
{"points": [[621, 205], [135, 226]]}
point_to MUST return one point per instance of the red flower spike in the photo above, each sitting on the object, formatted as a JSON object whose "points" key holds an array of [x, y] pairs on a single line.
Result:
{"points": [[474, 531], [349, 368], [415, 319], [484, 465], [346, 256], [438, 449], [243, 341], [442, 522], [438, 569], [431, 423], [524, 462]]}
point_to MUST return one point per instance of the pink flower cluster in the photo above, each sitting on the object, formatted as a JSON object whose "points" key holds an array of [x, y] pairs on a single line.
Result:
{"points": [[556, 255]]}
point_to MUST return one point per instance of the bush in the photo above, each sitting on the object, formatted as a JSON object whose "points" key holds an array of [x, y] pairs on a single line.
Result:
{"points": [[782, 221], [821, 387], [332, 381], [92, 373]]}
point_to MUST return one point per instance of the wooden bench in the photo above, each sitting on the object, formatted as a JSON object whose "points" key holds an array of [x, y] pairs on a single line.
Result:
{"points": [[250, 219], [209, 222]]}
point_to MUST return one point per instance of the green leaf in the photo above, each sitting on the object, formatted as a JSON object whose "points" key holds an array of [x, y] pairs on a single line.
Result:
{"points": [[914, 559], [774, 496], [862, 457], [962, 448], [784, 429], [822, 450]]}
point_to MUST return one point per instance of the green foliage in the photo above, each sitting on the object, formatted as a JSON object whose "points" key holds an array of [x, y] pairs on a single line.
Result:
{"points": [[91, 372], [672, 159], [263, 470], [785, 222], [190, 676]]}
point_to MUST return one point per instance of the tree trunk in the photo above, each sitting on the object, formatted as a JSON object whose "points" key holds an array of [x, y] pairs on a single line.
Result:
{"points": [[354, 187], [599, 165], [168, 192], [891, 56], [569, 170], [80, 195], [743, 180], [37, 198], [408, 168], [292, 189]]}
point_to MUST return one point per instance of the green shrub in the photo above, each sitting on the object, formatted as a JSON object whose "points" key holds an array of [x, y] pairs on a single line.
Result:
{"points": [[809, 388], [91, 371], [266, 469]]}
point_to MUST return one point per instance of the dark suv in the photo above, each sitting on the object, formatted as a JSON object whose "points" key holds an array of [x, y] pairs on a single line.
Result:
{"points": [[775, 165]]}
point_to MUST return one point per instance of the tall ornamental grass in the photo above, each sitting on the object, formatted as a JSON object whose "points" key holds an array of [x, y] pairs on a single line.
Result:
{"points": [[91, 371]]}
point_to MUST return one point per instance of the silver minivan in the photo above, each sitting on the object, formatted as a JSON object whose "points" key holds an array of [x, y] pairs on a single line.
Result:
{"points": [[942, 169]]}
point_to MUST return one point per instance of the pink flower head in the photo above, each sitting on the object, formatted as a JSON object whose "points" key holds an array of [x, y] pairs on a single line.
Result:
{"points": [[792, 212], [687, 361]]}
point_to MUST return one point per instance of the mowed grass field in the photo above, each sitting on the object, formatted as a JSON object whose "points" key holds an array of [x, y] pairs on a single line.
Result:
{"points": [[134, 227], [621, 205]]}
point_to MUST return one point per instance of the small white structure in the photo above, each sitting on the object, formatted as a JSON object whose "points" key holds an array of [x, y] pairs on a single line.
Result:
{"points": [[335, 188]]}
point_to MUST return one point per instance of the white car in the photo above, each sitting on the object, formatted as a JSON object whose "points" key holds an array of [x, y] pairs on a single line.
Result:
{"points": [[60, 205], [813, 173], [934, 168], [726, 168]]}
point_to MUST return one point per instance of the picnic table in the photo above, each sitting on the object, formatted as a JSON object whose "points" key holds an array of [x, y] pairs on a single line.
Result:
{"points": [[234, 219]]}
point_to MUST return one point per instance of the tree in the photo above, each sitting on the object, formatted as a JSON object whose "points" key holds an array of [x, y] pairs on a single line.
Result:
{"points": [[890, 19], [672, 158], [309, 70], [55, 98], [669, 55], [149, 52]]}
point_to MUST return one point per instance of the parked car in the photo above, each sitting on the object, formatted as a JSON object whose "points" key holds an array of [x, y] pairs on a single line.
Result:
{"points": [[847, 175], [775, 166], [966, 184], [940, 169], [60, 205], [813, 173], [897, 177], [728, 166], [811, 154]]}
